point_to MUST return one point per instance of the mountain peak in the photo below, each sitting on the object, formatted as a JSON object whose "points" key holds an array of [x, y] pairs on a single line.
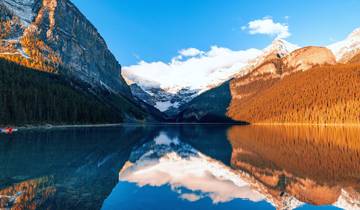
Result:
{"points": [[280, 47], [355, 33], [345, 50]]}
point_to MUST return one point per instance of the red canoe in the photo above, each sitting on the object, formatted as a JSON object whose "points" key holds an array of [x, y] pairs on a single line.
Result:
{"points": [[8, 130]]}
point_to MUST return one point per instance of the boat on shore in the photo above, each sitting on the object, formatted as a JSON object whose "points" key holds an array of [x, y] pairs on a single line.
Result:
{"points": [[8, 130]]}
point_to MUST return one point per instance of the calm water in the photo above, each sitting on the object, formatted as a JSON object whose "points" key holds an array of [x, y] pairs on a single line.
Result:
{"points": [[181, 167]]}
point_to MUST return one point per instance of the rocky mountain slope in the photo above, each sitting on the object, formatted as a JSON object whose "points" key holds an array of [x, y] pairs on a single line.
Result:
{"points": [[215, 102], [45, 34], [53, 36], [261, 78]]}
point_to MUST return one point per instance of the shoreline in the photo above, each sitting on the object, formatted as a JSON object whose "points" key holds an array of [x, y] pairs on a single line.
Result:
{"points": [[49, 126], [309, 124]]}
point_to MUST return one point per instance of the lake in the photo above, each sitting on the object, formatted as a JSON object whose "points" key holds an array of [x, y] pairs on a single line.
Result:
{"points": [[134, 167]]}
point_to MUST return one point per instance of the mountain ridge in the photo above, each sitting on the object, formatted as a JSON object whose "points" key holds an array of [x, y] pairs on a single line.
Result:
{"points": [[263, 77], [170, 102], [344, 51]]}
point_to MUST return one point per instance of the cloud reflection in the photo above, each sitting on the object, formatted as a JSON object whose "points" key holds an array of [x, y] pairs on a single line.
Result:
{"points": [[168, 161]]}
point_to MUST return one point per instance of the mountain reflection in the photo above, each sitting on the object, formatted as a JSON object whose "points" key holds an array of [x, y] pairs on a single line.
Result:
{"points": [[167, 160], [181, 167], [316, 165], [27, 194], [286, 166], [63, 168]]}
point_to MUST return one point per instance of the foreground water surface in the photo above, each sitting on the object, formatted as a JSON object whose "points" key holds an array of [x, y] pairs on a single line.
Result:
{"points": [[181, 167]]}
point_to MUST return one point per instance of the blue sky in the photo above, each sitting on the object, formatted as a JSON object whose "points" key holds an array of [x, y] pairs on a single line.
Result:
{"points": [[155, 30]]}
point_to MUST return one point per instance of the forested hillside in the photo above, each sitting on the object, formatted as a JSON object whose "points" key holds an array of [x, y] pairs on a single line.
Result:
{"points": [[322, 95], [33, 97]]}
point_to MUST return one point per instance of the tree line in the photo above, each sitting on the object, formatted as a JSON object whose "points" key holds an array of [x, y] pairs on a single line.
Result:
{"points": [[322, 95], [32, 97]]}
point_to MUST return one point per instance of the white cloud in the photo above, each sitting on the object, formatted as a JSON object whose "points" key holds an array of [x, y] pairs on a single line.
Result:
{"points": [[192, 68], [192, 197], [268, 27], [190, 52]]}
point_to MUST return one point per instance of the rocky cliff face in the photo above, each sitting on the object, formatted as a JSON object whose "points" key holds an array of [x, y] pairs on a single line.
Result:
{"points": [[308, 57], [273, 69], [46, 34]]}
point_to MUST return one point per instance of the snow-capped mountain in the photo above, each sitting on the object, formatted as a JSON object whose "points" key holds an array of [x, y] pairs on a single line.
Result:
{"points": [[161, 99], [348, 200], [177, 83], [221, 103], [202, 71], [348, 48], [279, 48]]}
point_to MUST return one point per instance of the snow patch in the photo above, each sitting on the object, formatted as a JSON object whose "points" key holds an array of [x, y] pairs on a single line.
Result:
{"points": [[163, 139], [345, 201], [349, 46], [163, 105], [23, 54]]}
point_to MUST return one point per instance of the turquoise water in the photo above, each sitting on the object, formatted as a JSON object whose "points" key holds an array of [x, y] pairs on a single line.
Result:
{"points": [[180, 167]]}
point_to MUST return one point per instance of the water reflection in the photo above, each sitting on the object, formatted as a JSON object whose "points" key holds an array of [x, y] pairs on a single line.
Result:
{"points": [[316, 165], [172, 171], [169, 161], [181, 167], [27, 194], [63, 168], [287, 167]]}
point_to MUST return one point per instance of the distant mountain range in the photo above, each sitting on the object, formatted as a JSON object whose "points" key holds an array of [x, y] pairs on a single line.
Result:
{"points": [[178, 94], [282, 83]]}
